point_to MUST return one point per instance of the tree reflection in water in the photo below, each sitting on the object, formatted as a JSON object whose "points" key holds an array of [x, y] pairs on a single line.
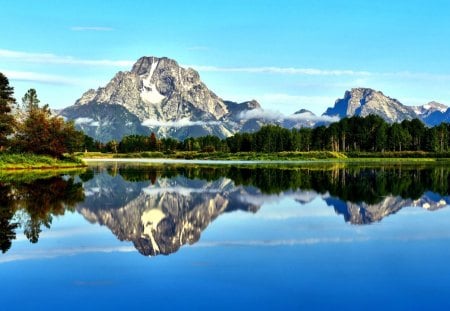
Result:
{"points": [[160, 208], [31, 203]]}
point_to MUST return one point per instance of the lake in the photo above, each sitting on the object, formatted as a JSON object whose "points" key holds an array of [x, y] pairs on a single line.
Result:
{"points": [[123, 236]]}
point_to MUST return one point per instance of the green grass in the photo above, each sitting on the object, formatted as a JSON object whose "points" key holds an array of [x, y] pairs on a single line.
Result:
{"points": [[30, 175], [11, 161]]}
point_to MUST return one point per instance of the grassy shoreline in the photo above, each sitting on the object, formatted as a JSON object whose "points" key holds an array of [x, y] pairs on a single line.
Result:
{"points": [[10, 161], [350, 157], [13, 162]]}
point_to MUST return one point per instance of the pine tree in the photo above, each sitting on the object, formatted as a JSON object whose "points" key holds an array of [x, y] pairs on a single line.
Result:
{"points": [[30, 101], [6, 118]]}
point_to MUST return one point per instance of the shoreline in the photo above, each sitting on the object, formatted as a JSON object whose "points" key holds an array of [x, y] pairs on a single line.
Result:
{"points": [[24, 162], [43, 168], [91, 161]]}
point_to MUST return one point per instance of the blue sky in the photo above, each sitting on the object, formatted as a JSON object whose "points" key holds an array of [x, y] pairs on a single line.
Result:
{"points": [[285, 54]]}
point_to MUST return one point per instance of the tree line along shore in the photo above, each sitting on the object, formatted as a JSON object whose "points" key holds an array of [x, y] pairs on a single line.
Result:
{"points": [[32, 137]]}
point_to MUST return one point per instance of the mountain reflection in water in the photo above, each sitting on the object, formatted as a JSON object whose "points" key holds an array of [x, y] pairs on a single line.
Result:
{"points": [[161, 208]]}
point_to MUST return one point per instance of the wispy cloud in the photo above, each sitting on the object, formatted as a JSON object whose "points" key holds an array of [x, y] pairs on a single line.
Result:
{"points": [[323, 72], [53, 253], [282, 70], [29, 76], [48, 58], [291, 242], [314, 103], [91, 28], [177, 123], [278, 116], [276, 99]]}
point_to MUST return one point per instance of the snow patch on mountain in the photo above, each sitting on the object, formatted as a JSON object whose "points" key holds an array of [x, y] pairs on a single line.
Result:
{"points": [[149, 92]]}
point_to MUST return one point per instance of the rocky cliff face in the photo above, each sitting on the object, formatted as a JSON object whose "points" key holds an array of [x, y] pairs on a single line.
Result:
{"points": [[160, 96], [364, 101]]}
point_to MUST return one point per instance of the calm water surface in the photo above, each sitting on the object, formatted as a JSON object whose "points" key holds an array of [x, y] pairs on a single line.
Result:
{"points": [[201, 236]]}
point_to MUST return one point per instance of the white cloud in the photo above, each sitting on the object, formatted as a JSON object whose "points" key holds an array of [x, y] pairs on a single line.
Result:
{"points": [[53, 253], [91, 28], [307, 117], [278, 116], [177, 123], [48, 58], [316, 104], [29, 76], [261, 114], [283, 70], [291, 242], [325, 72], [83, 120]]}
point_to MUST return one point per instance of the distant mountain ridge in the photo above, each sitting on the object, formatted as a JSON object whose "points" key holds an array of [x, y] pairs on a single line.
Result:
{"points": [[157, 95]]}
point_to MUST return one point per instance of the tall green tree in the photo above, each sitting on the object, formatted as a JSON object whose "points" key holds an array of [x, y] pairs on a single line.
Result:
{"points": [[440, 138], [30, 100], [399, 137], [6, 118], [417, 130], [43, 133]]}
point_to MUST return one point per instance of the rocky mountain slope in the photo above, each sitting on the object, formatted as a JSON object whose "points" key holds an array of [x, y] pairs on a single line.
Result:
{"points": [[364, 101], [156, 95]]}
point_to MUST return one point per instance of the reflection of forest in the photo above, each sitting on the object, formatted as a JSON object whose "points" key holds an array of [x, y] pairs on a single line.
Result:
{"points": [[160, 208], [353, 184], [361, 194], [32, 203], [163, 207]]}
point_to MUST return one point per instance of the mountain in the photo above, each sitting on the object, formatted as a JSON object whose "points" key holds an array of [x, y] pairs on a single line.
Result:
{"points": [[300, 118], [426, 110], [433, 113], [364, 101], [159, 96]]}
